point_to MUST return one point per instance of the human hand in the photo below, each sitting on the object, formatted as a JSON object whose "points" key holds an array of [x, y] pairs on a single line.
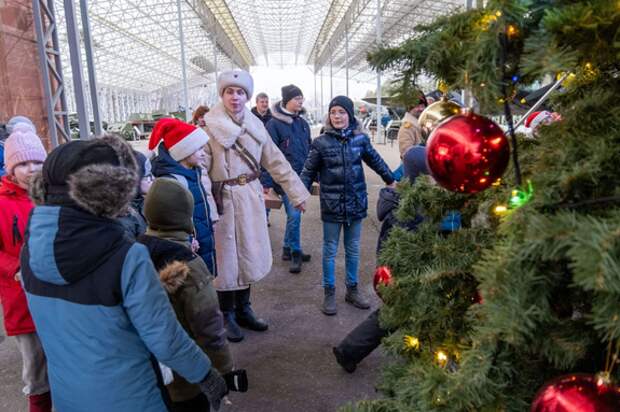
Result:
{"points": [[214, 387], [266, 190], [392, 185], [195, 245], [301, 207]]}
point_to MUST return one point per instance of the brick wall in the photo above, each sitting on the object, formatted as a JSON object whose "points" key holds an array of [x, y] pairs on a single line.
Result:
{"points": [[21, 88]]}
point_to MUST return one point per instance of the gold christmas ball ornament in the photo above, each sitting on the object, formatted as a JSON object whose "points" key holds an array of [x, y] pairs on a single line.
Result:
{"points": [[437, 112]]}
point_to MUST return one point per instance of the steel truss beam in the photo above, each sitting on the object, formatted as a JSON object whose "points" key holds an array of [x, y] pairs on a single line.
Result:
{"points": [[51, 68]]}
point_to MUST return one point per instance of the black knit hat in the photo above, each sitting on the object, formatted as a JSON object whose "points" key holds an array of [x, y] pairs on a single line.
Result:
{"points": [[169, 206], [346, 104], [289, 93]]}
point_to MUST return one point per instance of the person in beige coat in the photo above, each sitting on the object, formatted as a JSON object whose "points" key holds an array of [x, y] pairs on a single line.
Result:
{"points": [[410, 133], [238, 148]]}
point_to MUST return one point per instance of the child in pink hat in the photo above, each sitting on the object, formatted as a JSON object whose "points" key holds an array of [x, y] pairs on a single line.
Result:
{"points": [[23, 157]]}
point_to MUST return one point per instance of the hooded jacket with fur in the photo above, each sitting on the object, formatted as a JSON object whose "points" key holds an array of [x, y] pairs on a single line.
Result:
{"points": [[337, 156], [189, 286], [101, 314]]}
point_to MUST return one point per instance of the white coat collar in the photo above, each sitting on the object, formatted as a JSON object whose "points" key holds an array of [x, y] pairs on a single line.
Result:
{"points": [[225, 131]]}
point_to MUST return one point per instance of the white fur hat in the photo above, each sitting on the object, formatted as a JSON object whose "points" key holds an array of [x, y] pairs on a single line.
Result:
{"points": [[236, 78]]}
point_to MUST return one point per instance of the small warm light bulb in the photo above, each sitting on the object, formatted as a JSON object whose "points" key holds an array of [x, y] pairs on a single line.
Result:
{"points": [[442, 358], [498, 13], [411, 342], [512, 30], [497, 182], [500, 209]]}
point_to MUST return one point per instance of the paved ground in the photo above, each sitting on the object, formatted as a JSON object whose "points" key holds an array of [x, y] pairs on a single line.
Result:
{"points": [[291, 367]]}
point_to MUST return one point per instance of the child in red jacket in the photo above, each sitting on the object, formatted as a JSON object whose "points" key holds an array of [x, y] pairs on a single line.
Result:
{"points": [[23, 156]]}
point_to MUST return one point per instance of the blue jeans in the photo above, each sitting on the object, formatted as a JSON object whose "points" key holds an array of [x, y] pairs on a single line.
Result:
{"points": [[292, 234], [331, 239]]}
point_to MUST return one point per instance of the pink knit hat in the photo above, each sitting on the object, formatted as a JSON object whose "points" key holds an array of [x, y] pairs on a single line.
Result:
{"points": [[23, 145]]}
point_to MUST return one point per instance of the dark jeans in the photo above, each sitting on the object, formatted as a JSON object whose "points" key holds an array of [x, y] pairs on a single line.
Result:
{"points": [[362, 340]]}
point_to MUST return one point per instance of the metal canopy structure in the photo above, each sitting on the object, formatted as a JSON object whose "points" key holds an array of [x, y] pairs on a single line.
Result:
{"points": [[136, 48], [356, 28]]}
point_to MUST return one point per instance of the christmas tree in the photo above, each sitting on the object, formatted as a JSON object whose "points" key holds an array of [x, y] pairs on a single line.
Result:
{"points": [[529, 288]]}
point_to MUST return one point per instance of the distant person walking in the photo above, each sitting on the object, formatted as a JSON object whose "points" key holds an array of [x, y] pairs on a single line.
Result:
{"points": [[291, 133]]}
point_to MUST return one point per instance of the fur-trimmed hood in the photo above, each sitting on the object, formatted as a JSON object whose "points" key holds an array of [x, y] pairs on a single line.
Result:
{"points": [[277, 112], [99, 176], [221, 127], [173, 275]]}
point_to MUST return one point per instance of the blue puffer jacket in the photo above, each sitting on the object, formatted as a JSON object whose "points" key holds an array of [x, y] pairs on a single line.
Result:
{"points": [[103, 318], [291, 133], [337, 157], [165, 166]]}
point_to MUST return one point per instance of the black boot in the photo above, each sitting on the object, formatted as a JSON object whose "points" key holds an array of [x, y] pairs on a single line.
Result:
{"points": [[245, 315], [329, 302], [295, 262], [286, 255], [227, 305]]}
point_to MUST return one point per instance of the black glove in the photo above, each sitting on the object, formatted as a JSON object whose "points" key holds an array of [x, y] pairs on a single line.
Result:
{"points": [[214, 388], [237, 380]]}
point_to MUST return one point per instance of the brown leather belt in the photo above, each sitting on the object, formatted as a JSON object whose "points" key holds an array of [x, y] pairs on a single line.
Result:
{"points": [[241, 180]]}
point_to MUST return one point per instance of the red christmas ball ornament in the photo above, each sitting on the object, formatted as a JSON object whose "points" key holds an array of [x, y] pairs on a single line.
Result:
{"points": [[467, 153], [383, 276], [578, 392]]}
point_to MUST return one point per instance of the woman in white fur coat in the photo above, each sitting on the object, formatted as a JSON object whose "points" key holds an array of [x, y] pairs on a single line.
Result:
{"points": [[242, 245]]}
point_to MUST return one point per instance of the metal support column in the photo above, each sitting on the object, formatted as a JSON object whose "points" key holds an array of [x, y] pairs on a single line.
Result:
{"points": [[316, 112], [183, 63], [73, 38], [322, 114], [214, 40], [331, 76], [51, 70], [346, 59], [380, 137], [90, 65]]}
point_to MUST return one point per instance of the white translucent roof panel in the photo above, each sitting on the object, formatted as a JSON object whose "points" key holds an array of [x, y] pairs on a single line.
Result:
{"points": [[285, 27], [398, 19], [136, 43]]}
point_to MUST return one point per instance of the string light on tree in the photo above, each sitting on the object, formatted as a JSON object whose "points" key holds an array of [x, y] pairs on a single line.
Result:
{"points": [[411, 342], [441, 358]]}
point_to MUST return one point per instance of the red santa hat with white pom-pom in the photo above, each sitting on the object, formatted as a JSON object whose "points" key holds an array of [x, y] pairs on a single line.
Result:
{"points": [[181, 139], [536, 118]]}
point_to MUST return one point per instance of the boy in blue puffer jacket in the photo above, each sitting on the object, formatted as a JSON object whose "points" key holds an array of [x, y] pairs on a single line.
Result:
{"points": [[102, 316], [337, 157], [180, 154]]}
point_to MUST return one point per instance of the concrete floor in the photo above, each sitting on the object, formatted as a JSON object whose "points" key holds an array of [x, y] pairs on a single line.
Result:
{"points": [[291, 366]]}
